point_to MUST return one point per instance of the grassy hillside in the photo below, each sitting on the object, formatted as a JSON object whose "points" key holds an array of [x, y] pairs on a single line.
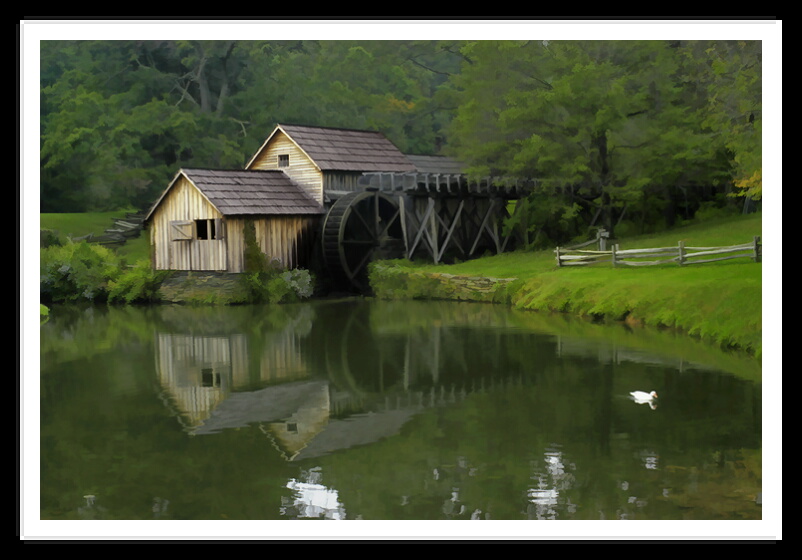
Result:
{"points": [[730, 231], [719, 302], [78, 224], [70, 225]]}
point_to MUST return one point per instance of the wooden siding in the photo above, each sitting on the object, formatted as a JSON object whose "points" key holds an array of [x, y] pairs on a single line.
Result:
{"points": [[342, 181], [184, 204], [302, 169], [289, 239]]}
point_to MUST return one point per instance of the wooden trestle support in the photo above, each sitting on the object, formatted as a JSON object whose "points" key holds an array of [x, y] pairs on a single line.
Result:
{"points": [[397, 215]]}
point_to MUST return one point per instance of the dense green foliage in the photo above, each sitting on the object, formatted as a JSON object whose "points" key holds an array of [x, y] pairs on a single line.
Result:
{"points": [[278, 286], [632, 134], [640, 131], [120, 117], [138, 284], [76, 272]]}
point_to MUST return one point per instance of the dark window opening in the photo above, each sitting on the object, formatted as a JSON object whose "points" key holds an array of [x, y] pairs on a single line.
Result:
{"points": [[283, 160], [205, 229], [210, 378]]}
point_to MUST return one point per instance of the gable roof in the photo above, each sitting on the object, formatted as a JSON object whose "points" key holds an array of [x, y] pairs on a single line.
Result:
{"points": [[340, 149], [248, 192]]}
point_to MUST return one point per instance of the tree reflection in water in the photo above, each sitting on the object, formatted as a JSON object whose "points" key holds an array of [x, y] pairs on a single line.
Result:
{"points": [[413, 410]]}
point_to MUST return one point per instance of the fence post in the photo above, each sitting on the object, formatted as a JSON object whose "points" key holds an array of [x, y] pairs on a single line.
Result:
{"points": [[758, 250], [559, 263], [681, 252], [613, 251]]}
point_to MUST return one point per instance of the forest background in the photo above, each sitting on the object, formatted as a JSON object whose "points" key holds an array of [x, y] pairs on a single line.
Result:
{"points": [[635, 133]]}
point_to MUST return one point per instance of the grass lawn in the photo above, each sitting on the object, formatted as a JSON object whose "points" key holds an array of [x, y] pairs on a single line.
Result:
{"points": [[732, 231], [720, 302], [81, 224]]}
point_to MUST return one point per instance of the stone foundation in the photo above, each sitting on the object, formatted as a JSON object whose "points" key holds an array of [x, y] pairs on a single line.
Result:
{"points": [[202, 287], [389, 282]]}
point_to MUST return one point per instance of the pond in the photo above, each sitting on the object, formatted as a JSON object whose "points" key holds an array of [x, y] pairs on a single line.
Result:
{"points": [[388, 411]]}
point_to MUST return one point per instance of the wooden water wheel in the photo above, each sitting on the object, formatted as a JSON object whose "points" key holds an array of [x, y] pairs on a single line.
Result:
{"points": [[360, 227]]}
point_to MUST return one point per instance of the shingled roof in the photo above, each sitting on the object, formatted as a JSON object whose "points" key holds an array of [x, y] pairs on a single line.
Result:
{"points": [[250, 192], [340, 149], [437, 164]]}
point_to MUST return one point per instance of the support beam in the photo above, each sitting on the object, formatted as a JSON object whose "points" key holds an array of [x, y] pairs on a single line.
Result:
{"points": [[403, 215], [422, 228], [454, 223], [483, 225]]}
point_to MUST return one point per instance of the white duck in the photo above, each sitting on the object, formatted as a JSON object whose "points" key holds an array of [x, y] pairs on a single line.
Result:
{"points": [[642, 397]]}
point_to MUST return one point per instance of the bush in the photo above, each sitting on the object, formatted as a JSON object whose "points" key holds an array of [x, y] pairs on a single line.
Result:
{"points": [[266, 280], [48, 238], [139, 284], [710, 211], [278, 286], [76, 272]]}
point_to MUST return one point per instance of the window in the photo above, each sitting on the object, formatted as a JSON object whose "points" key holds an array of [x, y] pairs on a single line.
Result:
{"points": [[210, 378], [187, 230], [204, 229], [284, 160], [209, 229]]}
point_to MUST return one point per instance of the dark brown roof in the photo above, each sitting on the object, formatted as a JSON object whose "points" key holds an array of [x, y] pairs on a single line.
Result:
{"points": [[339, 149], [251, 192], [240, 192]]}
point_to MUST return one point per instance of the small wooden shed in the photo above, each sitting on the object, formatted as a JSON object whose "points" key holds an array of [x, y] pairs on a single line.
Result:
{"points": [[198, 222], [328, 161]]}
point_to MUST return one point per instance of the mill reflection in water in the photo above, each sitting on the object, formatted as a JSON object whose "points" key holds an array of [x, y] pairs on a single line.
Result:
{"points": [[397, 411]]}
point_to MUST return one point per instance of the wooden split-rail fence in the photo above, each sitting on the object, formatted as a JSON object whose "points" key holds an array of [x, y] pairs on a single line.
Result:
{"points": [[681, 254], [122, 230]]}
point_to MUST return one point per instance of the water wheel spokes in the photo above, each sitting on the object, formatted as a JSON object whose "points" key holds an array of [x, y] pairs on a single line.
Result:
{"points": [[358, 227]]}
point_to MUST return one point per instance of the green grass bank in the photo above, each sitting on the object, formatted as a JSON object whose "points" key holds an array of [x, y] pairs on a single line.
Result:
{"points": [[718, 302], [69, 225]]}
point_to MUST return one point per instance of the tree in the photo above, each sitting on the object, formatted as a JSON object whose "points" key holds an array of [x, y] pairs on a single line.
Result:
{"points": [[119, 118], [113, 125], [724, 82], [600, 125]]}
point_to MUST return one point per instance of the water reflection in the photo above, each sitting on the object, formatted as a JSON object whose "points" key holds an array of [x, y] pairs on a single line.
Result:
{"points": [[551, 478], [386, 410], [313, 391], [311, 499]]}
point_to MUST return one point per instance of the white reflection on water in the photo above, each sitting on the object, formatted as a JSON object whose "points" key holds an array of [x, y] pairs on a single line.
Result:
{"points": [[312, 500], [650, 460], [544, 497]]}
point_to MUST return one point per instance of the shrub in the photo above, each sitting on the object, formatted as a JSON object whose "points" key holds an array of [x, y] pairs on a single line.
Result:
{"points": [[266, 280], [48, 238], [278, 286], [138, 284], [76, 272]]}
